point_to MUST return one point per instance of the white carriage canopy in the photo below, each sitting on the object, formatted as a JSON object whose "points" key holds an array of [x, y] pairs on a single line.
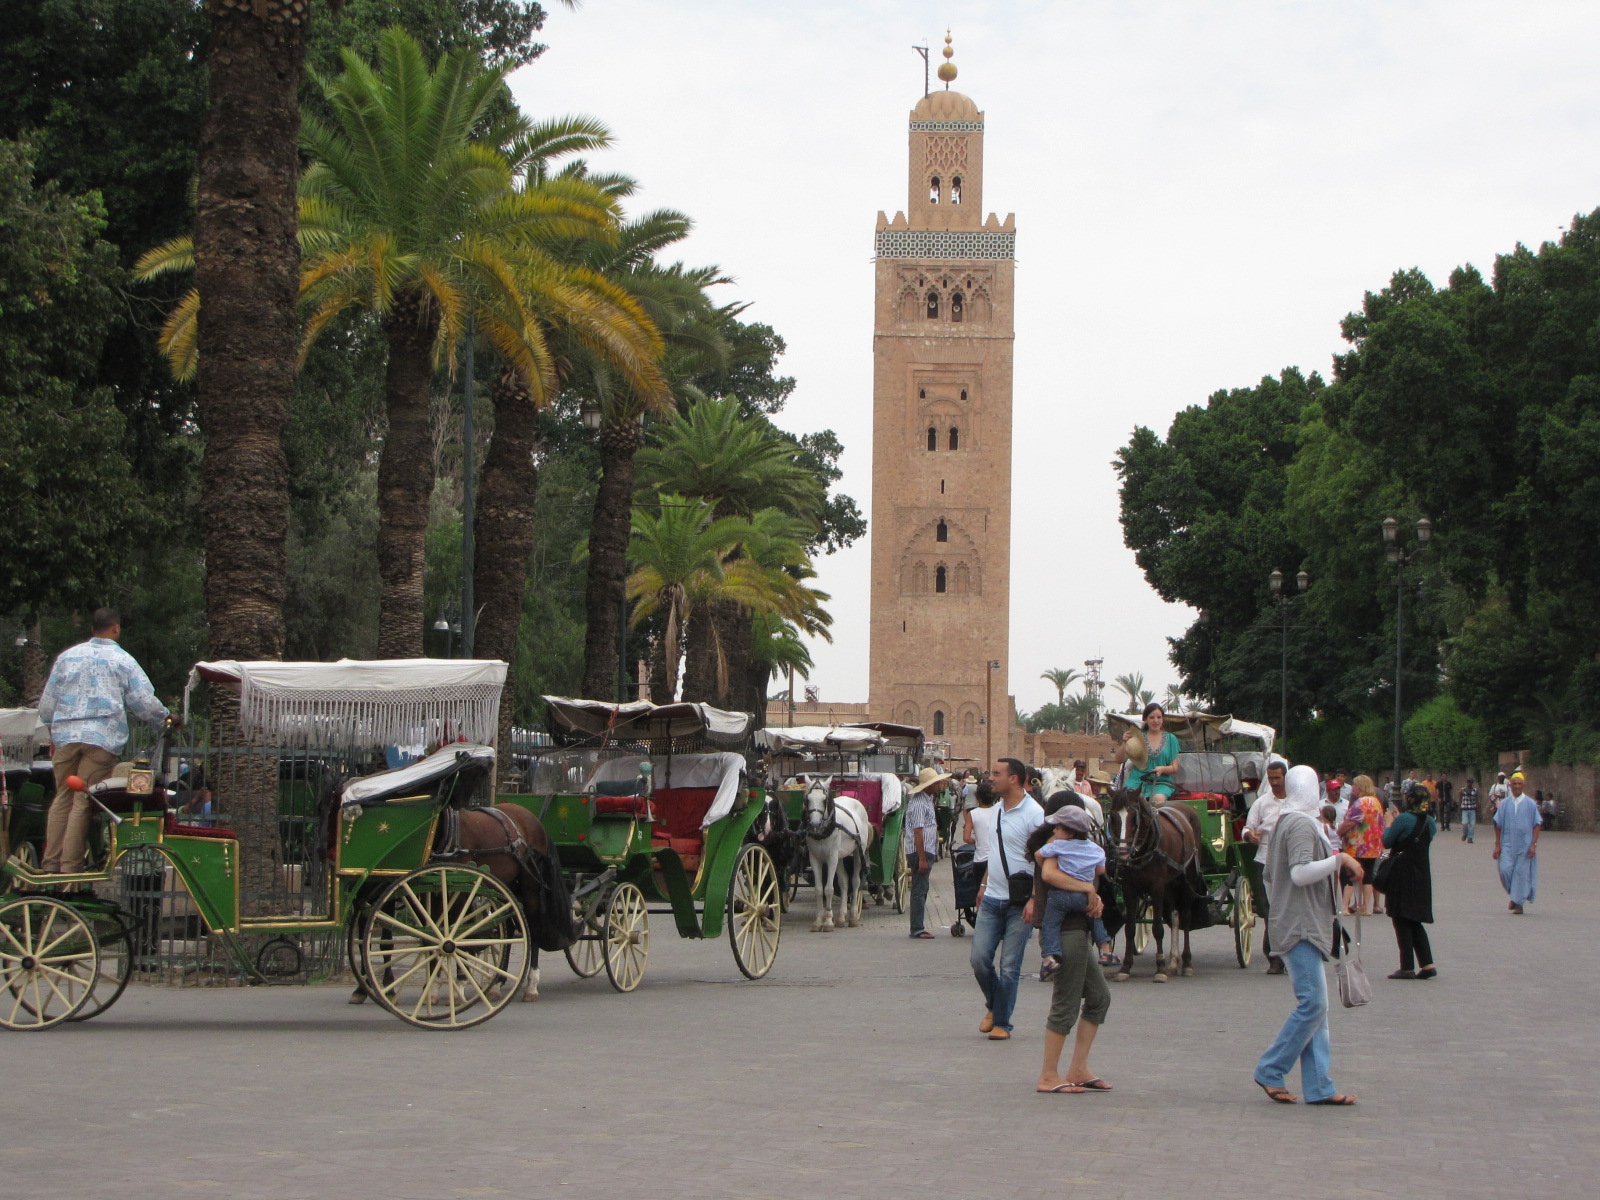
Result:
{"points": [[723, 770], [818, 739], [415, 777], [642, 721], [1198, 730], [384, 702], [20, 735]]}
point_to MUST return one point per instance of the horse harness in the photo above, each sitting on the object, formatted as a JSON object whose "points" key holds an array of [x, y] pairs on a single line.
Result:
{"points": [[1142, 856], [830, 825]]}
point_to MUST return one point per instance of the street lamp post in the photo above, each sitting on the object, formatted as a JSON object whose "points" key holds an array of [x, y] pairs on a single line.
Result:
{"points": [[990, 668], [1401, 556], [1275, 581], [449, 624]]}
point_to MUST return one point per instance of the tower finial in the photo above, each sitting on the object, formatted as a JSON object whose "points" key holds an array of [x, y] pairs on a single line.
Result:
{"points": [[947, 69]]}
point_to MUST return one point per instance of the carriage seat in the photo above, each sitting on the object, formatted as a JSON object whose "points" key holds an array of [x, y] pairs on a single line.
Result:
{"points": [[870, 793], [679, 812], [621, 806], [172, 828]]}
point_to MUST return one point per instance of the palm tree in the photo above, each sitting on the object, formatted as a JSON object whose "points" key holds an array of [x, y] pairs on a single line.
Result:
{"points": [[1083, 712], [1062, 677], [1175, 700], [777, 649], [742, 464], [1132, 686]]}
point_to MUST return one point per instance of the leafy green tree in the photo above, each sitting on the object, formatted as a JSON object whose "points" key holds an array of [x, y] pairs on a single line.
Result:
{"points": [[1441, 737]]}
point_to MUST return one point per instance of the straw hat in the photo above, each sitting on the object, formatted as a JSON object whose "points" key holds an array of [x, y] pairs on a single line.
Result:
{"points": [[1137, 752], [928, 778], [1100, 777]]}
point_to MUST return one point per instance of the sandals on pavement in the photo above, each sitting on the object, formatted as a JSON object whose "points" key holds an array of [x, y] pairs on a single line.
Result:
{"points": [[1094, 1085], [1061, 1089], [922, 933], [1340, 1100], [1278, 1095]]}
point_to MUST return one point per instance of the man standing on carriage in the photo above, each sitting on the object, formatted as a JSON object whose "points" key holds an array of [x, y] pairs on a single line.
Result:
{"points": [[92, 689], [1005, 891]]}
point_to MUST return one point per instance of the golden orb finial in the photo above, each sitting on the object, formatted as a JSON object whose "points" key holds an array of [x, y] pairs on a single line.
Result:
{"points": [[947, 69]]}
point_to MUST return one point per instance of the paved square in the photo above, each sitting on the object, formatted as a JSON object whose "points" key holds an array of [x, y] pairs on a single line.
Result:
{"points": [[854, 1069]]}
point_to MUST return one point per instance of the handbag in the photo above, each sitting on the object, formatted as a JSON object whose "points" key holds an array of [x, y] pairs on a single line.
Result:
{"points": [[1383, 875], [1354, 988], [1020, 885]]}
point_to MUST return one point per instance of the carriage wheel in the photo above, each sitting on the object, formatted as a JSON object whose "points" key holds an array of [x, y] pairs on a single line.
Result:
{"points": [[902, 882], [115, 969], [437, 951], [586, 955], [49, 963], [1243, 920], [626, 937], [753, 913], [1141, 927]]}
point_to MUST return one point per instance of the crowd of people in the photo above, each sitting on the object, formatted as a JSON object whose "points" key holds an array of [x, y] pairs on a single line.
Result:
{"points": [[1325, 846]]}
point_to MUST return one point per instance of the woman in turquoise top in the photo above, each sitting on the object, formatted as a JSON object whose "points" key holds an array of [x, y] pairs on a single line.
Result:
{"points": [[1154, 779]]}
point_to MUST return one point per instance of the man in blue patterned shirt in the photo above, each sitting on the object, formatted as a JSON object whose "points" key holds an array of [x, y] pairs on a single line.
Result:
{"points": [[92, 689]]}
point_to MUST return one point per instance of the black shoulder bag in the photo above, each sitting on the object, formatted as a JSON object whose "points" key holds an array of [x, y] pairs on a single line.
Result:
{"points": [[1020, 884], [1383, 875]]}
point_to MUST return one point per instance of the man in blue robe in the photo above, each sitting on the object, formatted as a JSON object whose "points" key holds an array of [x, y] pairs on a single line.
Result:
{"points": [[1516, 842]]}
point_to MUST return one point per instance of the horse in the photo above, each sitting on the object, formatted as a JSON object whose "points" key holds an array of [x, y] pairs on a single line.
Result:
{"points": [[837, 830], [511, 843], [1155, 857]]}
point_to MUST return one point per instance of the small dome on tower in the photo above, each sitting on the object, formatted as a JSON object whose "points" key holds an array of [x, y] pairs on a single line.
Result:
{"points": [[945, 106]]}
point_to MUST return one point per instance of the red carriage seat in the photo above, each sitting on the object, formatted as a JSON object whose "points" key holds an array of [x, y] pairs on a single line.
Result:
{"points": [[172, 828], [621, 806], [870, 793], [679, 812]]}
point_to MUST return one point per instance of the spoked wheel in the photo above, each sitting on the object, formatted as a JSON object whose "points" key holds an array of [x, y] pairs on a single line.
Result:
{"points": [[626, 938], [1243, 920], [754, 922], [115, 968], [49, 963], [439, 948], [902, 882], [586, 955]]}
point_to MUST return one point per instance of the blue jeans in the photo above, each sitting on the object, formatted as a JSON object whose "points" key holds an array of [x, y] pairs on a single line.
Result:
{"points": [[1058, 904], [999, 927], [1304, 1035], [919, 895], [1469, 823]]}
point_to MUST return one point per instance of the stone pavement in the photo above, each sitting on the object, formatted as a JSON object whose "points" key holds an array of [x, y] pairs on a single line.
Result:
{"points": [[854, 1069]]}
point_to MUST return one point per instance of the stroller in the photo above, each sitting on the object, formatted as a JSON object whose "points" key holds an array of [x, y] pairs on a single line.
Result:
{"points": [[965, 874]]}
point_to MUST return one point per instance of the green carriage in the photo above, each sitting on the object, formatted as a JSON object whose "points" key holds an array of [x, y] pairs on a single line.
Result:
{"points": [[26, 785], [439, 943], [865, 761], [1221, 761], [651, 811]]}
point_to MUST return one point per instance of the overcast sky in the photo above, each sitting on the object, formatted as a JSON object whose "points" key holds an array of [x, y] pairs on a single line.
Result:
{"points": [[1202, 191]]}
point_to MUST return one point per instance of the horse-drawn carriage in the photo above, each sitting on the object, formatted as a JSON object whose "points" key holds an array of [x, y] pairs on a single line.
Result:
{"points": [[432, 934], [650, 805], [813, 767], [25, 785], [1220, 759]]}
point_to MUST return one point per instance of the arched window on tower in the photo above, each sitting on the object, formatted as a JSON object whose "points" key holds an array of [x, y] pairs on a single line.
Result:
{"points": [[955, 438], [922, 394], [969, 723], [963, 395], [933, 306], [941, 532], [938, 722], [933, 437], [955, 189], [963, 579], [957, 307], [941, 579], [933, 190]]}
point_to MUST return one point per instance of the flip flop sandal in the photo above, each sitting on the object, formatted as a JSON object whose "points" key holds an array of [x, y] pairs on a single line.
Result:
{"points": [[1340, 1100], [923, 934], [1095, 1085], [1278, 1095], [1110, 960], [1061, 1089]]}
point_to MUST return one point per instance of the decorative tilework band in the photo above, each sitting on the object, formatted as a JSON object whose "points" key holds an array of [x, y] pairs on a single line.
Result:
{"points": [[947, 127], [977, 243]]}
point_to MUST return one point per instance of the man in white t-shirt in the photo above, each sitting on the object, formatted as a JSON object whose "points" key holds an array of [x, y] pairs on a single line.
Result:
{"points": [[1000, 927], [1258, 827]]}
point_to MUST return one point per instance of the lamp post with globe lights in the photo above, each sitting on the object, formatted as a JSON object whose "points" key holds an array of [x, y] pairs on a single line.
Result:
{"points": [[1275, 582], [1402, 556]]}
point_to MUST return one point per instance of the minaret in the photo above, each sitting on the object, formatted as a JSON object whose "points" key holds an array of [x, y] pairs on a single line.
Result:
{"points": [[941, 454]]}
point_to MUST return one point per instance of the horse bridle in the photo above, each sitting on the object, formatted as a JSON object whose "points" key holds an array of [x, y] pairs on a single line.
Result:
{"points": [[830, 812]]}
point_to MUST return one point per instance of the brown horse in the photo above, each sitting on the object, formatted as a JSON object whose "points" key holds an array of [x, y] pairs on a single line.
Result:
{"points": [[1154, 858], [511, 843]]}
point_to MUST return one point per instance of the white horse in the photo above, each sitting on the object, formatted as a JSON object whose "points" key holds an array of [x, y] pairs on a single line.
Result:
{"points": [[837, 829]]}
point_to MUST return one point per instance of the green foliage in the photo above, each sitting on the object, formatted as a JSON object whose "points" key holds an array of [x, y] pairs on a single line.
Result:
{"points": [[1372, 745], [1440, 737]]}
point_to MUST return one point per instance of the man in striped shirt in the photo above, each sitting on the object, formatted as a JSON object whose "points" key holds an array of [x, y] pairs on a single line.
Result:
{"points": [[922, 842]]}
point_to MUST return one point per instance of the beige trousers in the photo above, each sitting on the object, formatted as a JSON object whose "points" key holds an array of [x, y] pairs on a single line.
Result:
{"points": [[66, 829]]}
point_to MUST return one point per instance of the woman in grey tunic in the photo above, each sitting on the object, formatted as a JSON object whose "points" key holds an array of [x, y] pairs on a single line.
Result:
{"points": [[1302, 878]]}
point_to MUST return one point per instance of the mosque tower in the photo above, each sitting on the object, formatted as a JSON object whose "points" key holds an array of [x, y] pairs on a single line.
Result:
{"points": [[941, 454]]}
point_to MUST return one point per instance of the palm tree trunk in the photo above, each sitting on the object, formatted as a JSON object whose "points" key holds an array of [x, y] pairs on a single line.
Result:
{"points": [[503, 529], [717, 670], [609, 530], [405, 477], [247, 270]]}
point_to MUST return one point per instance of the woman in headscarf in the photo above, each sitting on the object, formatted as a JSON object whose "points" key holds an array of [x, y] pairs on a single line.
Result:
{"points": [[1153, 778], [1409, 900], [1302, 878]]}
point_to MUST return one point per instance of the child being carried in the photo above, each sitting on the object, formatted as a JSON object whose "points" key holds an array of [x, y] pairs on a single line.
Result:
{"points": [[1077, 857]]}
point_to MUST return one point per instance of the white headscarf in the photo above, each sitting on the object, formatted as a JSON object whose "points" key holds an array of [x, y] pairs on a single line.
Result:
{"points": [[1304, 791]]}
